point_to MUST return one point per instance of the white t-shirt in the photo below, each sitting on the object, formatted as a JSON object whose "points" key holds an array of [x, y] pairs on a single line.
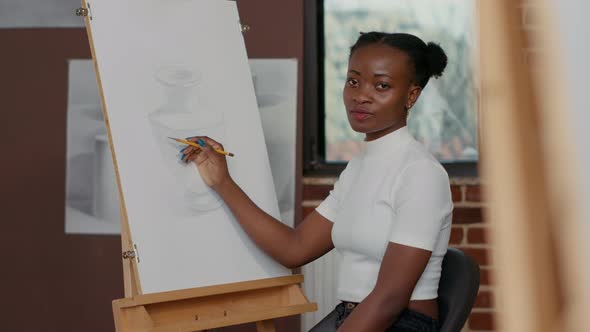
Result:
{"points": [[393, 191]]}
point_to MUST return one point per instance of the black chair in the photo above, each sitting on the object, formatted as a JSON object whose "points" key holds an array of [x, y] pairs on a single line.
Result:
{"points": [[457, 289]]}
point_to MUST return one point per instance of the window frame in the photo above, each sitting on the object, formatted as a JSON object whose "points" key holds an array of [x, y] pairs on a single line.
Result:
{"points": [[314, 163]]}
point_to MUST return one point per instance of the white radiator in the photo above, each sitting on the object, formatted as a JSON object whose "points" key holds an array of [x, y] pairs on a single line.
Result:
{"points": [[320, 286]]}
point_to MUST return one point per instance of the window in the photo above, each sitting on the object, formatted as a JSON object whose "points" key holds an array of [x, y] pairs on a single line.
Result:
{"points": [[445, 117]]}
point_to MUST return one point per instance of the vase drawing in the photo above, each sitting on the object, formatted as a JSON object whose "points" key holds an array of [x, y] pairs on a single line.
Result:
{"points": [[274, 108], [105, 203], [183, 115]]}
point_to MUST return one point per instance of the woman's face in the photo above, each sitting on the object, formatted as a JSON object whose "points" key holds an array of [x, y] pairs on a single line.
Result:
{"points": [[378, 90]]}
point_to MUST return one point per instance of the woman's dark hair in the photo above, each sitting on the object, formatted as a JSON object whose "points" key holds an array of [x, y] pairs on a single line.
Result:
{"points": [[428, 59]]}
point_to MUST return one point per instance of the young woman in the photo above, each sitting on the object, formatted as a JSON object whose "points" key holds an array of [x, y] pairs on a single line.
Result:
{"points": [[389, 213]]}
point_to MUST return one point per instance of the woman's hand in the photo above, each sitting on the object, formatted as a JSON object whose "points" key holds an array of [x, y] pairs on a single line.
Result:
{"points": [[211, 165]]}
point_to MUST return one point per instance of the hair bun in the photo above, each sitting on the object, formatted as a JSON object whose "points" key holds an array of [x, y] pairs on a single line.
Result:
{"points": [[437, 59]]}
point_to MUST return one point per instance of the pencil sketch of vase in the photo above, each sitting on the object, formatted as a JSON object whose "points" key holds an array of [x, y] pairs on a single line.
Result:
{"points": [[105, 203], [274, 109], [181, 116]]}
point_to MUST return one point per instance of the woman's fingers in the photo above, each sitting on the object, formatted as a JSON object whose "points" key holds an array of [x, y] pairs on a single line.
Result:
{"points": [[213, 143], [205, 141], [201, 157], [185, 152], [193, 155], [201, 154]]}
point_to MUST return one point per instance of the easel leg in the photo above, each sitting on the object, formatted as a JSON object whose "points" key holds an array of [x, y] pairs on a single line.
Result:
{"points": [[265, 326]]}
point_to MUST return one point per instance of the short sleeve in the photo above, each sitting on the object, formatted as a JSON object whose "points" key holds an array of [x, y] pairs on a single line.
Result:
{"points": [[329, 206], [422, 202]]}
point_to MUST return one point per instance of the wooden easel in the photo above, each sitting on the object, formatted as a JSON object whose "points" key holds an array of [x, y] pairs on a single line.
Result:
{"points": [[201, 308]]}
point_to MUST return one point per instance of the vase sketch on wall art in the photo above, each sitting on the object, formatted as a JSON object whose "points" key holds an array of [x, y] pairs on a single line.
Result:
{"points": [[92, 198], [275, 85]]}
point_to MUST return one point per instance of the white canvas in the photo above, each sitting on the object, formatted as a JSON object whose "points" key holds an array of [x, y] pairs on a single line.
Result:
{"points": [[180, 69], [92, 198], [40, 14]]}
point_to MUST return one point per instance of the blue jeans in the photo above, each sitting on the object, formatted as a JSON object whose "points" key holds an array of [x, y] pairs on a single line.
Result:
{"points": [[408, 320]]}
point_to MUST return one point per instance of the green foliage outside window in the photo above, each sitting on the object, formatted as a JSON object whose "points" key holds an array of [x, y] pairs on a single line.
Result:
{"points": [[445, 117]]}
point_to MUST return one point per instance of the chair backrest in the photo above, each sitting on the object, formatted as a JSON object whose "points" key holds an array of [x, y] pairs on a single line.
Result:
{"points": [[457, 289]]}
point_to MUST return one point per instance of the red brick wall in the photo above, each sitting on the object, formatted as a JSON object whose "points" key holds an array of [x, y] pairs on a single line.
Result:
{"points": [[469, 233]]}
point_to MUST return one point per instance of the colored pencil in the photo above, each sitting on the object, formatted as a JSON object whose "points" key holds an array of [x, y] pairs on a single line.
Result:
{"points": [[198, 146]]}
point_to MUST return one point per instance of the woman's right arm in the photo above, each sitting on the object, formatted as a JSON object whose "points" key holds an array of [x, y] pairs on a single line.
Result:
{"points": [[290, 247]]}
